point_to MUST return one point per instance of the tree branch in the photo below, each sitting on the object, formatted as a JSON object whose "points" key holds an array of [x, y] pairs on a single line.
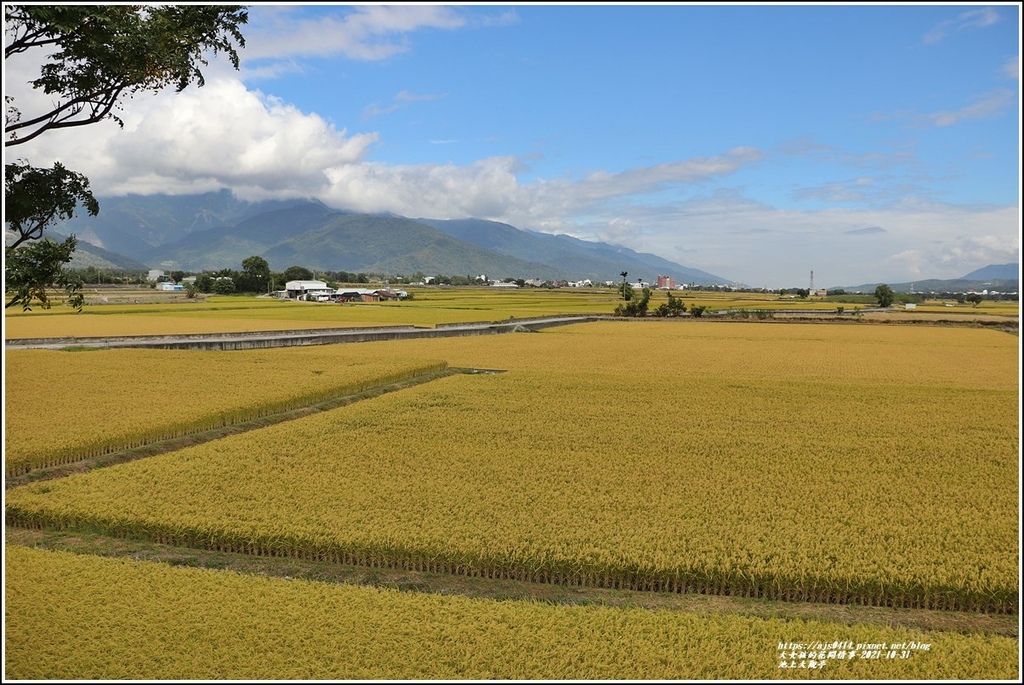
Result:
{"points": [[101, 103]]}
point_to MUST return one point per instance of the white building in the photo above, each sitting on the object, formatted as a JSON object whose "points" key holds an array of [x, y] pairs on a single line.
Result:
{"points": [[299, 289]]}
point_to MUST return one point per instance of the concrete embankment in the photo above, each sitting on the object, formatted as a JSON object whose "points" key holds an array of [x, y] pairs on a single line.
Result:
{"points": [[267, 339]]}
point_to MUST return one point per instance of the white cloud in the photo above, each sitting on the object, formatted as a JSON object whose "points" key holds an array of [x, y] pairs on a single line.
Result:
{"points": [[489, 188], [841, 245], [979, 18], [984, 106], [364, 32], [401, 100], [899, 154], [1011, 68], [225, 136], [221, 135], [486, 189]]}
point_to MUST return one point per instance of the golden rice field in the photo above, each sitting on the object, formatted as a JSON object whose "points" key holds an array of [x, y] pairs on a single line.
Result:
{"points": [[67, 406], [71, 617], [868, 465], [226, 314], [430, 306]]}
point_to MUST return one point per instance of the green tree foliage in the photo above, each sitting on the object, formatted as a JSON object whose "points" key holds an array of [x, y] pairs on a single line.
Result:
{"points": [[674, 307], [92, 57], [255, 275], [298, 273], [885, 295], [223, 285], [98, 54], [204, 283], [36, 198], [33, 270], [637, 306]]}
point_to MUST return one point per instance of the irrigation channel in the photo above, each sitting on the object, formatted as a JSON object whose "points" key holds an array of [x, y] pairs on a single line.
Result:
{"points": [[327, 336]]}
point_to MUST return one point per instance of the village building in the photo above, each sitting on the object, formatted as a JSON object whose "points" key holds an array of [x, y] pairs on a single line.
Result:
{"points": [[300, 289]]}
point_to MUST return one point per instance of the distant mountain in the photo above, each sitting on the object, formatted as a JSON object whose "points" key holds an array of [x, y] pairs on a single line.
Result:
{"points": [[388, 244], [323, 239], [596, 261], [133, 224], [216, 231], [226, 246], [950, 285], [999, 272], [87, 254]]}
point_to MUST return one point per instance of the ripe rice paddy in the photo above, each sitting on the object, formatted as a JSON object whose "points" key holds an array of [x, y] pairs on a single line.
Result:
{"points": [[782, 462], [863, 464], [72, 617], [429, 307]]}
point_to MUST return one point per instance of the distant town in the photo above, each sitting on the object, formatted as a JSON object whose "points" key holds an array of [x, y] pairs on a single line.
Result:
{"points": [[337, 286]]}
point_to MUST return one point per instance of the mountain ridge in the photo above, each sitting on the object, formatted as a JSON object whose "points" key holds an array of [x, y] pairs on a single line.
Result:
{"points": [[215, 231]]}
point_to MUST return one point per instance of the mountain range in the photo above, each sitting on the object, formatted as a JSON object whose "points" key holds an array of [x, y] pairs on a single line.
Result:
{"points": [[216, 231], [1001, 278]]}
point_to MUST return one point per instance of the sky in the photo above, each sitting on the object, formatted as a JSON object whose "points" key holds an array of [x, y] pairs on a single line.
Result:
{"points": [[866, 143]]}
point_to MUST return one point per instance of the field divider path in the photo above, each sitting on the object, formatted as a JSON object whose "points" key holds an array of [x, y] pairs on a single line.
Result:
{"points": [[162, 446]]}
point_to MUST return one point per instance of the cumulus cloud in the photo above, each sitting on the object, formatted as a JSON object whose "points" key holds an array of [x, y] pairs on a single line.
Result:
{"points": [[490, 189], [978, 249], [218, 136], [972, 19], [485, 189]]}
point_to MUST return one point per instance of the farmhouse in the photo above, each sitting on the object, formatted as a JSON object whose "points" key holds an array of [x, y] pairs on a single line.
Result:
{"points": [[365, 295], [356, 295], [299, 289]]}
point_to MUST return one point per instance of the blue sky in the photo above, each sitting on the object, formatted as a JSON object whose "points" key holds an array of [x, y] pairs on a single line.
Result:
{"points": [[757, 142]]}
